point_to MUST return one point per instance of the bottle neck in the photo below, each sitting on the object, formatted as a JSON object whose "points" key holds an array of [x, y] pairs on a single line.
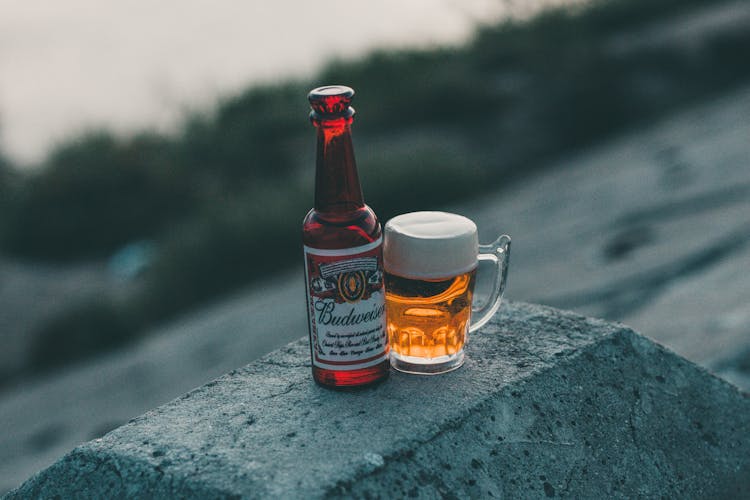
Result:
{"points": [[337, 188]]}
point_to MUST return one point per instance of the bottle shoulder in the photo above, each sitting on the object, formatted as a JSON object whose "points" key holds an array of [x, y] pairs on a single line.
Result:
{"points": [[346, 230]]}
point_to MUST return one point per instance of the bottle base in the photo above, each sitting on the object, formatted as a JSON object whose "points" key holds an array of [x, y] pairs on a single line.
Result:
{"points": [[352, 379]]}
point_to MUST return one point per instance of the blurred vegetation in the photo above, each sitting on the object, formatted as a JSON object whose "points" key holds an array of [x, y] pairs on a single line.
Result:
{"points": [[94, 195], [80, 332], [224, 197]]}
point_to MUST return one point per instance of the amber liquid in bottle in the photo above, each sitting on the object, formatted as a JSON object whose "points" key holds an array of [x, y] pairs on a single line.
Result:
{"points": [[343, 257]]}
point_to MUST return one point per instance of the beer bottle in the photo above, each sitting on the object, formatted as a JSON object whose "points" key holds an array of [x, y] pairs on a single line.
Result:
{"points": [[343, 256]]}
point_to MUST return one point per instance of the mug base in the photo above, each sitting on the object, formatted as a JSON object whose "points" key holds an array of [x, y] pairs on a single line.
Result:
{"points": [[426, 366]]}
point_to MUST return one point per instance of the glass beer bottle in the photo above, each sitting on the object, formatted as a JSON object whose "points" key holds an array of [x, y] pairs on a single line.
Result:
{"points": [[343, 256]]}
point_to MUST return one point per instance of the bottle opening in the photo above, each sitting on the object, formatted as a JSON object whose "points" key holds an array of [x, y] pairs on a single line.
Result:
{"points": [[331, 102]]}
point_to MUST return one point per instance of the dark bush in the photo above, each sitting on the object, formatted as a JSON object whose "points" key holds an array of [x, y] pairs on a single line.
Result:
{"points": [[251, 136], [86, 329], [232, 243], [96, 194]]}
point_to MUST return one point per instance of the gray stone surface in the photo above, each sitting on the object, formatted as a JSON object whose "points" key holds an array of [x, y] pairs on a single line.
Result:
{"points": [[549, 403]]}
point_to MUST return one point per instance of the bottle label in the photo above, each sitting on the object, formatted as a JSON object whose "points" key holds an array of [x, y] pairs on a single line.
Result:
{"points": [[346, 306]]}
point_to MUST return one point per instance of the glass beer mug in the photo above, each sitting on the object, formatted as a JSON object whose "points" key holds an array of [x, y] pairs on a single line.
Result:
{"points": [[430, 261]]}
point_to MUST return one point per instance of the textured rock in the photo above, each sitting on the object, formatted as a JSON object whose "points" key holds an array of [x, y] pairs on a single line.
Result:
{"points": [[549, 403]]}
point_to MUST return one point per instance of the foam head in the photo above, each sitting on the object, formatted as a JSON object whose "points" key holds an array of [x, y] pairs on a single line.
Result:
{"points": [[430, 245]]}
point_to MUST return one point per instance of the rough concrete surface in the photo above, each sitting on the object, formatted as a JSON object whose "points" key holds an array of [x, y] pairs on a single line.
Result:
{"points": [[549, 403]]}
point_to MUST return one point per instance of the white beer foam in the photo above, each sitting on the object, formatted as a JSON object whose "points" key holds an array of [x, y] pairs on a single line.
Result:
{"points": [[430, 245]]}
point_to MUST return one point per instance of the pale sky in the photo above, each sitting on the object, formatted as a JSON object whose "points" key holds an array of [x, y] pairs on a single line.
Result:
{"points": [[66, 66]]}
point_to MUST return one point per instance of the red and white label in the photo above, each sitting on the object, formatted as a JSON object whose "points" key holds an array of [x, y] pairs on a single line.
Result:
{"points": [[346, 306]]}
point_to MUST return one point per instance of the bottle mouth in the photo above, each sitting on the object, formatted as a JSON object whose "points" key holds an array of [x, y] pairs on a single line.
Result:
{"points": [[331, 102]]}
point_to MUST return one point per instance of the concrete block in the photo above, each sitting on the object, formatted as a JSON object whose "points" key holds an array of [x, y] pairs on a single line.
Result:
{"points": [[548, 404]]}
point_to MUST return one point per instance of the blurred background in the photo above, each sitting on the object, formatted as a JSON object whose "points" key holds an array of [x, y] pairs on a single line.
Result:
{"points": [[156, 162]]}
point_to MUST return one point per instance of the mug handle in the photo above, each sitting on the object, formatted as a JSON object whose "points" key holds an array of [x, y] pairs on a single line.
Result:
{"points": [[498, 253]]}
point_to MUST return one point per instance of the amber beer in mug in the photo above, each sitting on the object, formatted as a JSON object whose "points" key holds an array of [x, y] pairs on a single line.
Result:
{"points": [[431, 261]]}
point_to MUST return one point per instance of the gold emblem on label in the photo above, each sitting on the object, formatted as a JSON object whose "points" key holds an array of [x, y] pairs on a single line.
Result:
{"points": [[352, 285]]}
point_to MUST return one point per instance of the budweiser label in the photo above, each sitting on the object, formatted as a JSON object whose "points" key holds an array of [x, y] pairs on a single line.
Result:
{"points": [[346, 306]]}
